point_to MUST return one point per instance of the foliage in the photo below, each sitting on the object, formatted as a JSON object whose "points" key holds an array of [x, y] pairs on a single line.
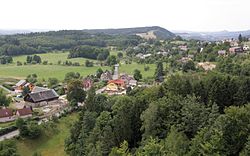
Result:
{"points": [[111, 60], [159, 74], [71, 75], [32, 78], [89, 52], [26, 90], [8, 148], [137, 74], [4, 100], [6, 59], [28, 128], [53, 82], [75, 91]]}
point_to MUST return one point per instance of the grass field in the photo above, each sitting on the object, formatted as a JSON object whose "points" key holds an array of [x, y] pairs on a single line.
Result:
{"points": [[59, 71], [48, 146]]}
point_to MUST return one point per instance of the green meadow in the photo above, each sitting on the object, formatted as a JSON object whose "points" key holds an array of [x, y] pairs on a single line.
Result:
{"points": [[52, 145], [59, 71]]}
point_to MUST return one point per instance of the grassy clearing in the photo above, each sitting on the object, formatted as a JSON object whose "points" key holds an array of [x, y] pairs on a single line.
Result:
{"points": [[58, 71], [49, 146], [6, 124]]}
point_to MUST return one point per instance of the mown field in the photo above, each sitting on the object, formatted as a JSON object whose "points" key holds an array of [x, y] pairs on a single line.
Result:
{"points": [[59, 71], [48, 145]]}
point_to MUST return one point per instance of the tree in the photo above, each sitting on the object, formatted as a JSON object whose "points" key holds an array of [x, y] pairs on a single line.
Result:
{"points": [[26, 90], [28, 128], [88, 63], [71, 75], [137, 74], [159, 72], [119, 55], [99, 72], [75, 91], [122, 151], [32, 78], [188, 66], [111, 60], [4, 100], [53, 82], [8, 148], [240, 38]]}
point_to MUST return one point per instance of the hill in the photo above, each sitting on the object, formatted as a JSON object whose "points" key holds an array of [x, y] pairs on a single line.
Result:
{"points": [[144, 32], [212, 36]]}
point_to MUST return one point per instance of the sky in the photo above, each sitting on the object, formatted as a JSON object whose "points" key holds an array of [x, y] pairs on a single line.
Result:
{"points": [[192, 15]]}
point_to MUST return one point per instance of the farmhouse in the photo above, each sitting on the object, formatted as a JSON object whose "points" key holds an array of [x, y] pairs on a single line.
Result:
{"points": [[234, 50], [106, 76], [183, 47], [6, 115], [87, 83], [222, 52], [24, 113], [206, 65], [21, 84], [41, 98]]}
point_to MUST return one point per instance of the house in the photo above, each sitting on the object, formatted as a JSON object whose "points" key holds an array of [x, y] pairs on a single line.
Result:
{"points": [[183, 47], [112, 87], [234, 50], [234, 44], [141, 56], [87, 83], [106, 76], [24, 113], [222, 52], [41, 98], [120, 83], [132, 83], [6, 115], [21, 84], [164, 53], [245, 47], [184, 59], [206, 65]]}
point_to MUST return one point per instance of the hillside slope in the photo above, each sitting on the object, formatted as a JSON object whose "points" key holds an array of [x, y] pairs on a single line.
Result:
{"points": [[144, 32]]}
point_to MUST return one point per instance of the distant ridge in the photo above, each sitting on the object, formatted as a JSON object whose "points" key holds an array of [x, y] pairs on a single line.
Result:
{"points": [[212, 36], [144, 32]]}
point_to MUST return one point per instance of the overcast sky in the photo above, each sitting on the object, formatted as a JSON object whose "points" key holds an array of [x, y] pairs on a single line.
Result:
{"points": [[194, 15]]}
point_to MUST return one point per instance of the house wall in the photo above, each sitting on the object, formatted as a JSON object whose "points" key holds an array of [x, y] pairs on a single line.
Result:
{"points": [[41, 104], [25, 116], [6, 119]]}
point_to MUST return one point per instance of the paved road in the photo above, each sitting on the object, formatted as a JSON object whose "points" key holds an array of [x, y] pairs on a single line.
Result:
{"points": [[9, 135]]}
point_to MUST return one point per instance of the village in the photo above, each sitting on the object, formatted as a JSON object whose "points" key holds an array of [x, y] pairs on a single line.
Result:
{"points": [[44, 103]]}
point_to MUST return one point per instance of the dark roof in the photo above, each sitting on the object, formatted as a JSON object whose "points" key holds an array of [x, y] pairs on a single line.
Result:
{"points": [[24, 111], [41, 96], [5, 113]]}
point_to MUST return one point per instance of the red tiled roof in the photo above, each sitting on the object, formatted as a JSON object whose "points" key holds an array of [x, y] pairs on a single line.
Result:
{"points": [[118, 81], [5, 113], [24, 111]]}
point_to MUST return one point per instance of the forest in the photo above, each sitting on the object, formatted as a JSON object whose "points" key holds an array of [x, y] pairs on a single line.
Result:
{"points": [[186, 115], [41, 42]]}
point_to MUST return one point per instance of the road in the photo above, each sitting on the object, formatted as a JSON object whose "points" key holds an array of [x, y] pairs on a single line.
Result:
{"points": [[9, 135]]}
